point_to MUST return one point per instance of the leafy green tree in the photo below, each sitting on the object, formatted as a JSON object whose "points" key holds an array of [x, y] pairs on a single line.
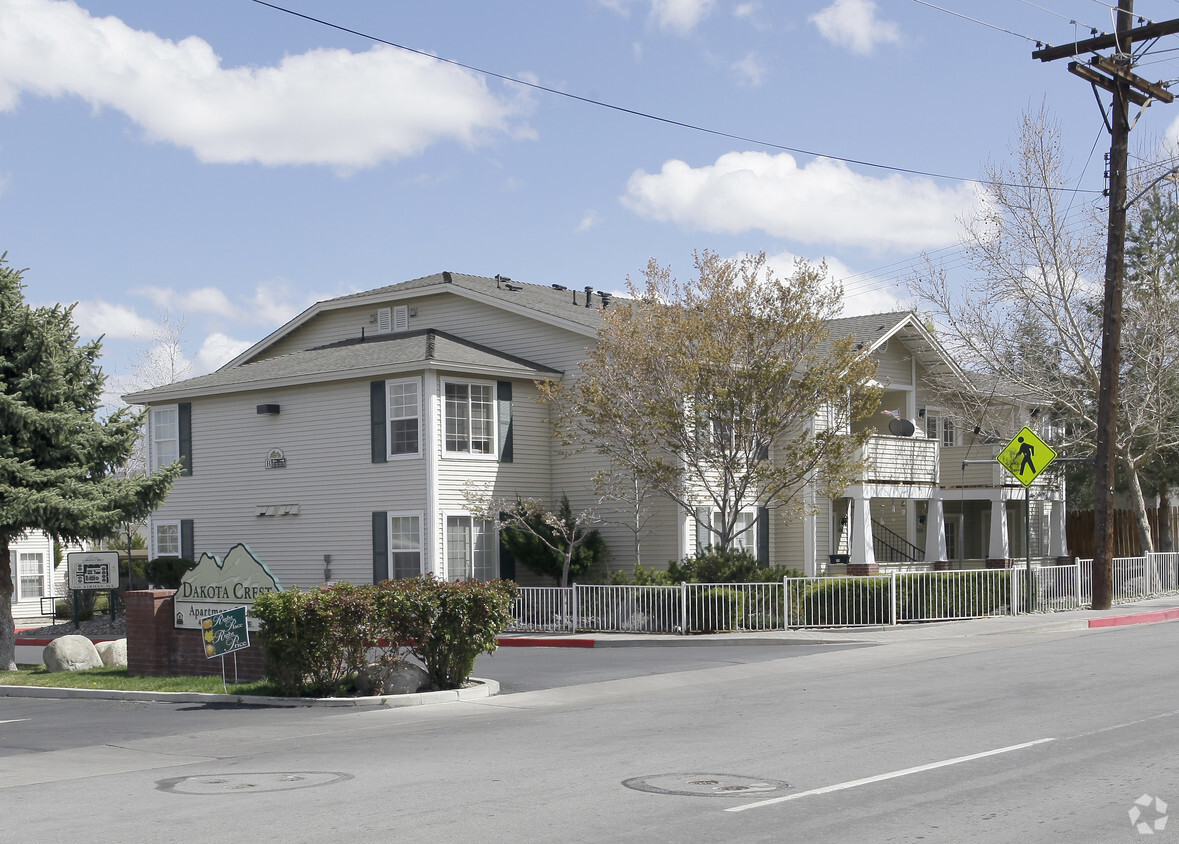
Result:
{"points": [[57, 459], [704, 390]]}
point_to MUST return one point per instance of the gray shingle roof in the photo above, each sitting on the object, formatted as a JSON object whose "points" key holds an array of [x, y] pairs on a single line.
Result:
{"points": [[352, 359], [567, 304]]}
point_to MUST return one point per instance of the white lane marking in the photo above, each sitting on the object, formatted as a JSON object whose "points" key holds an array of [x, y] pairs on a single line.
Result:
{"points": [[891, 775], [13, 720]]}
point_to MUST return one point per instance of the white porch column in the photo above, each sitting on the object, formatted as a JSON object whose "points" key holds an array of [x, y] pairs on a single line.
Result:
{"points": [[861, 540], [1057, 517], [998, 547], [935, 531]]}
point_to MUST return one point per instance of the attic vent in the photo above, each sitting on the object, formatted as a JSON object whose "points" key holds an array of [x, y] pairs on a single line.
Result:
{"points": [[884, 346], [384, 320], [401, 318]]}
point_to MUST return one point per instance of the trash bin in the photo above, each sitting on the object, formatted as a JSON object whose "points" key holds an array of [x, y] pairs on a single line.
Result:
{"points": [[838, 559]]}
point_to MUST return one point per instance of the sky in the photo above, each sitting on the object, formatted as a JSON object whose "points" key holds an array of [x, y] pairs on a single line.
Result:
{"points": [[218, 166]]}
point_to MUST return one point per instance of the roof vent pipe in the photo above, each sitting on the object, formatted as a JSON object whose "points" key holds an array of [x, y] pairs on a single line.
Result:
{"points": [[589, 292]]}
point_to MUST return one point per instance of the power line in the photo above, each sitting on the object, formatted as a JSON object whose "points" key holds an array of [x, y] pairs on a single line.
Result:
{"points": [[1036, 41], [624, 110]]}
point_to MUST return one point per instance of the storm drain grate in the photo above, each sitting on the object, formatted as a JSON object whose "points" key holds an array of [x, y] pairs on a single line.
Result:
{"points": [[707, 785], [251, 783]]}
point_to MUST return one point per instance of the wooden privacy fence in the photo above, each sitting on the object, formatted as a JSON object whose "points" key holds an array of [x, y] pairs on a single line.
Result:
{"points": [[1079, 532]]}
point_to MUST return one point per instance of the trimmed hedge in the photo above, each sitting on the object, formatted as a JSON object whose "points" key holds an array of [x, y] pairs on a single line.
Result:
{"points": [[315, 642], [840, 601]]}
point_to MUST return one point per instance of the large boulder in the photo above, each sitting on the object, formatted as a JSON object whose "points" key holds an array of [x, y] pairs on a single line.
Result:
{"points": [[114, 653], [71, 653], [404, 678]]}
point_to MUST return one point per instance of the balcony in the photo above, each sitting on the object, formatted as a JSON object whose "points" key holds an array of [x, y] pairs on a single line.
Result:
{"points": [[908, 461]]}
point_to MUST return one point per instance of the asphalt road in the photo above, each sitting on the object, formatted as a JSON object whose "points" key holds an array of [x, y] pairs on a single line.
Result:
{"points": [[1019, 737]]}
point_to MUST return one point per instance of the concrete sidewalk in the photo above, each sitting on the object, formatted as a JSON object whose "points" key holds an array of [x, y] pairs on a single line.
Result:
{"points": [[1155, 610]]}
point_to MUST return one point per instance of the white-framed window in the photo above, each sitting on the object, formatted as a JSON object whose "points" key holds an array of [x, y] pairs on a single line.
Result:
{"points": [[471, 549], [469, 417], [166, 539], [941, 429], [405, 545], [165, 435], [744, 531], [405, 417], [30, 575]]}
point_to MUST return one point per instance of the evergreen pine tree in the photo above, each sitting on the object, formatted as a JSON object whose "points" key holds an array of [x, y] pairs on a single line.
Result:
{"points": [[57, 459]]}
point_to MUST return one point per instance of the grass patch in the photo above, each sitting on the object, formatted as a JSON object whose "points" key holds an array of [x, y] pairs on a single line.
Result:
{"points": [[118, 679]]}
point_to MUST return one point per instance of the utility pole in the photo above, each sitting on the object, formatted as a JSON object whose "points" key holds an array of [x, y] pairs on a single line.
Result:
{"points": [[1112, 74]]}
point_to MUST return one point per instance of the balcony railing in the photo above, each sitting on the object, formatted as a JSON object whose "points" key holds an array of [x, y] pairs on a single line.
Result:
{"points": [[905, 460]]}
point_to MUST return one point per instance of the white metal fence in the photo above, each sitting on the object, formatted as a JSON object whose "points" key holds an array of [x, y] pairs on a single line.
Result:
{"points": [[894, 598]]}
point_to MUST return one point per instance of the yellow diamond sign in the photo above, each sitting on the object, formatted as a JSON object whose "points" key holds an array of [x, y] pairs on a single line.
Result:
{"points": [[1026, 456]]}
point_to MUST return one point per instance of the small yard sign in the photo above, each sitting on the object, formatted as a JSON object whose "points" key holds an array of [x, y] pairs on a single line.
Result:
{"points": [[93, 569], [1026, 456], [225, 632]]}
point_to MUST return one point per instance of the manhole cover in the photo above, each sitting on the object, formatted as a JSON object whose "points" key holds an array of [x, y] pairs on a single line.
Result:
{"points": [[250, 783], [708, 785]]}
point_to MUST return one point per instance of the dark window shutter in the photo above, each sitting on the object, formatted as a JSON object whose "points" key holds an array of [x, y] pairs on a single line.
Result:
{"points": [[184, 428], [380, 546], [763, 536], [503, 410], [187, 551], [703, 534], [507, 562], [378, 414]]}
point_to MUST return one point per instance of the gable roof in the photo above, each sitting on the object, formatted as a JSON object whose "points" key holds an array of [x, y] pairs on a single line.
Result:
{"points": [[379, 356], [553, 304]]}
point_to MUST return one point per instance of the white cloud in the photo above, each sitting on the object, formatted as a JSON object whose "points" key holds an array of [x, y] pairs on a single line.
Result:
{"points": [[203, 300], [274, 302], [853, 24], [330, 107], [115, 321], [216, 351], [862, 294], [824, 202], [680, 15], [751, 70], [589, 221]]}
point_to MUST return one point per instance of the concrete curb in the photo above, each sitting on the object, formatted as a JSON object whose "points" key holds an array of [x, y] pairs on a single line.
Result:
{"points": [[1137, 618], [484, 689]]}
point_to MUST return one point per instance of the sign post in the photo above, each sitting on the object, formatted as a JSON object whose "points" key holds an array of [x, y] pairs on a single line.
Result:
{"points": [[92, 571], [1026, 457], [225, 633]]}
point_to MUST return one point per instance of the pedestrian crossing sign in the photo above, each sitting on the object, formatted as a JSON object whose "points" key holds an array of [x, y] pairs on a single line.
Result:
{"points": [[1026, 456]]}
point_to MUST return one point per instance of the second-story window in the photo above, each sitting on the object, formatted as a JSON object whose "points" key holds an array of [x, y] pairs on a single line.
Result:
{"points": [[404, 416], [469, 417], [165, 436]]}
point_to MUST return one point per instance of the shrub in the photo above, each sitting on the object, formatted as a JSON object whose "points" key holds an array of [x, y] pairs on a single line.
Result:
{"points": [[719, 608], [709, 566], [588, 564], [314, 642], [449, 624]]}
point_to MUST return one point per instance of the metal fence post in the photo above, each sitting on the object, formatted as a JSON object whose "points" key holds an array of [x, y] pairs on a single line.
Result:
{"points": [[1148, 580], [576, 608], [683, 608], [892, 597], [785, 605], [1077, 580]]}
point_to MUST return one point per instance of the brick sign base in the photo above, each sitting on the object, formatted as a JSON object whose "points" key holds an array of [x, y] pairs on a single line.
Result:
{"points": [[156, 649]]}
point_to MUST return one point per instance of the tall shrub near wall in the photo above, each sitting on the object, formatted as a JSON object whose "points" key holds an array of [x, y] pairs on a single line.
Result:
{"points": [[452, 623], [315, 642]]}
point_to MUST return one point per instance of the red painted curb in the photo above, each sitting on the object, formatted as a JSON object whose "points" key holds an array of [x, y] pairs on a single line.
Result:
{"points": [[1140, 618], [534, 642], [43, 642]]}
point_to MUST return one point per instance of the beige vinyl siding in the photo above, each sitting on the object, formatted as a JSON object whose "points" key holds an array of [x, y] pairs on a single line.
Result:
{"points": [[895, 365], [787, 532], [324, 433], [478, 322]]}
